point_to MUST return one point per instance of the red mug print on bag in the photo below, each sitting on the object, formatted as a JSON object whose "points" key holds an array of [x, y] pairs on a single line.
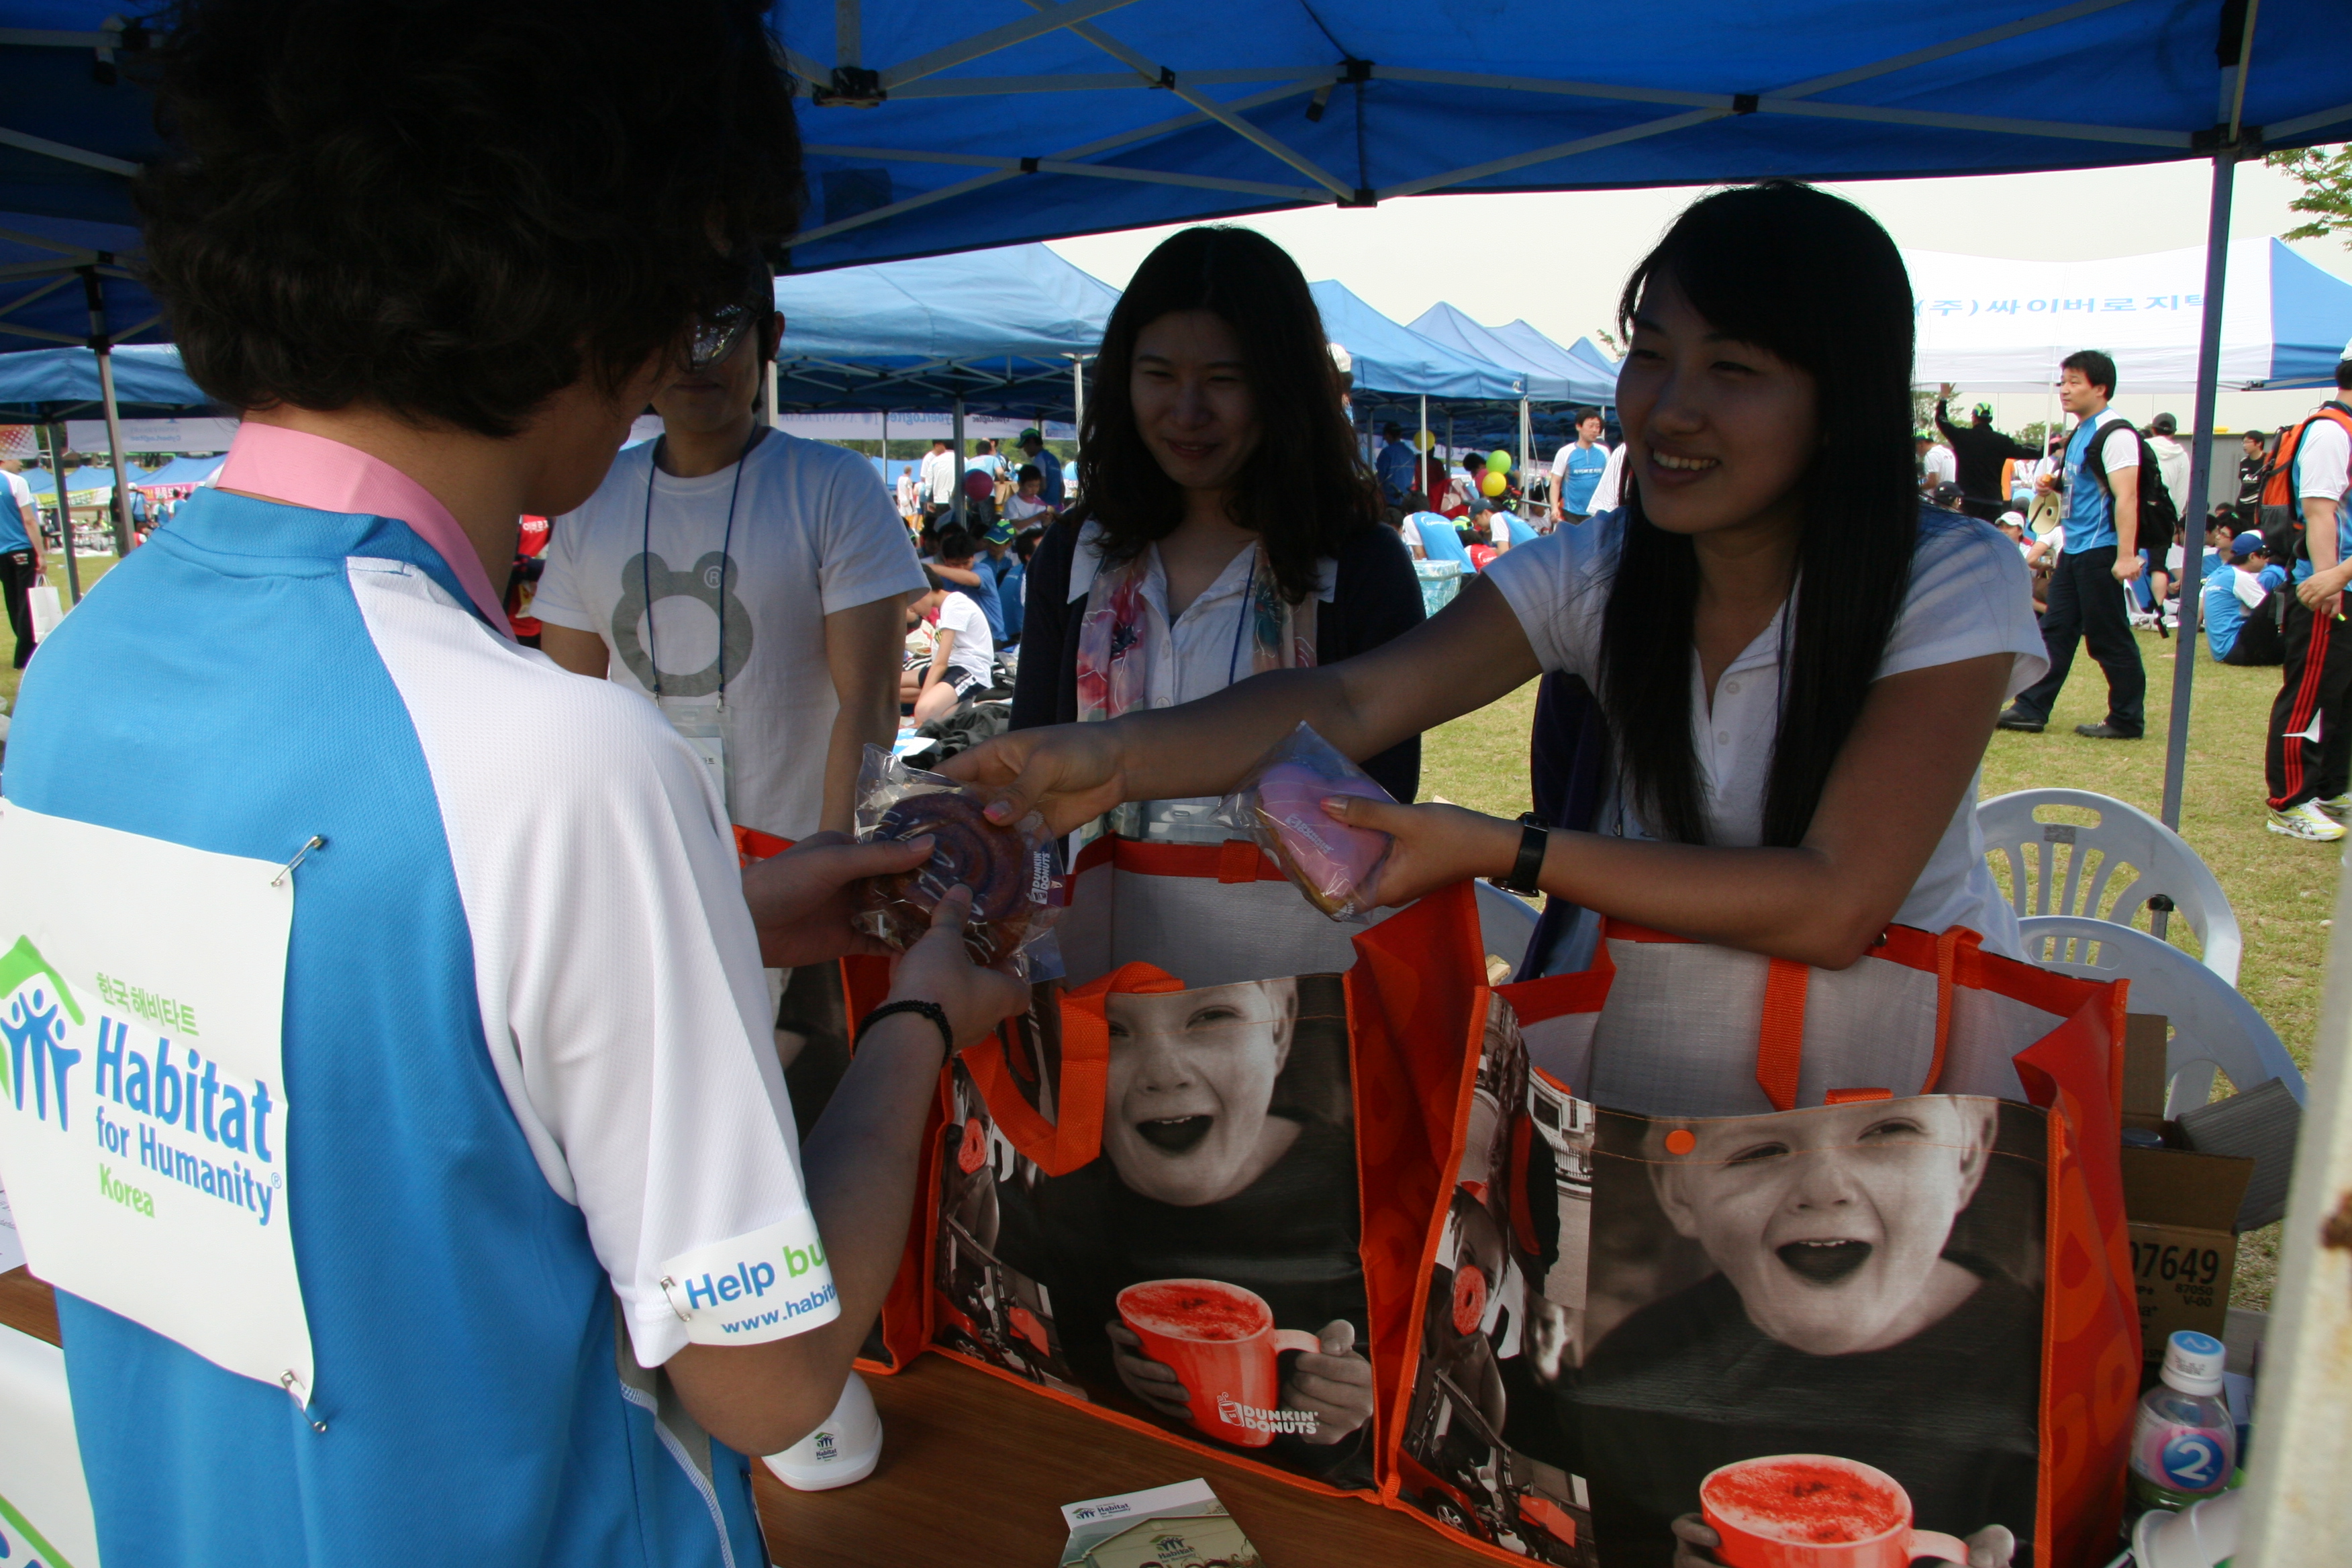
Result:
{"points": [[1815, 1511], [1220, 1342]]}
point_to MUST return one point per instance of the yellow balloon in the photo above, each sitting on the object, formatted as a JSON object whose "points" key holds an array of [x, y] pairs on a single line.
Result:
{"points": [[1424, 441], [1492, 483]]}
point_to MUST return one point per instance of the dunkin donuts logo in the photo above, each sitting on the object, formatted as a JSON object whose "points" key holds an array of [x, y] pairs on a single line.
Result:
{"points": [[1252, 1418]]}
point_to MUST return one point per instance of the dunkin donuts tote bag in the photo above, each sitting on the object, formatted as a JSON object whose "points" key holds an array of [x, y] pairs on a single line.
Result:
{"points": [[1864, 1323]]}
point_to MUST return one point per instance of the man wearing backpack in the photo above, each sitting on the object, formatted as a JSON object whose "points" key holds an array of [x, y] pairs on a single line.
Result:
{"points": [[2103, 485], [2309, 760]]}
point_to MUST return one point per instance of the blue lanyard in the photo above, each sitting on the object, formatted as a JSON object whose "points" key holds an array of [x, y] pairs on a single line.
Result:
{"points": [[726, 550]]}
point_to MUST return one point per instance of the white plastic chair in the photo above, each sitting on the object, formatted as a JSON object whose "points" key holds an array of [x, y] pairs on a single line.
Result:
{"points": [[1506, 924], [2092, 882], [2212, 1025]]}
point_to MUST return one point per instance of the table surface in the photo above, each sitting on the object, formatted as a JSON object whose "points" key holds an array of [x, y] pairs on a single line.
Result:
{"points": [[967, 1455]]}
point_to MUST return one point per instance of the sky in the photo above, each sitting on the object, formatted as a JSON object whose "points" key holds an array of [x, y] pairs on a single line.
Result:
{"points": [[1557, 259]]}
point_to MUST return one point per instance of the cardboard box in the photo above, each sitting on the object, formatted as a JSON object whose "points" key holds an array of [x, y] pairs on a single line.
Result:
{"points": [[2182, 1206]]}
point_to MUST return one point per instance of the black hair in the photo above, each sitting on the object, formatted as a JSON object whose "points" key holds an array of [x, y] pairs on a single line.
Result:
{"points": [[954, 546], [1414, 501], [1577, 419], [938, 585], [1305, 489], [1029, 471], [2257, 437], [452, 210], [1813, 279], [2097, 368], [2343, 375]]}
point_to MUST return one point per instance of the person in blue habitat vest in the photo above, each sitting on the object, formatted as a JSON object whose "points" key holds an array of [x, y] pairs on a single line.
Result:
{"points": [[562, 1262], [20, 556]]}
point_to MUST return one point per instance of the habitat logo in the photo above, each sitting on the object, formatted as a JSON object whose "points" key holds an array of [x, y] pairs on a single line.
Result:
{"points": [[170, 1089], [35, 1030], [763, 1286]]}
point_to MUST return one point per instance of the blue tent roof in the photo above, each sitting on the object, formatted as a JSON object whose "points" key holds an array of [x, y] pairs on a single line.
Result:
{"points": [[995, 121], [999, 327], [2311, 321], [180, 472], [57, 384], [1396, 360], [44, 301], [1552, 373]]}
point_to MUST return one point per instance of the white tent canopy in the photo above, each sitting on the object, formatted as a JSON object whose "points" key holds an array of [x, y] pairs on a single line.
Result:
{"points": [[1993, 325]]}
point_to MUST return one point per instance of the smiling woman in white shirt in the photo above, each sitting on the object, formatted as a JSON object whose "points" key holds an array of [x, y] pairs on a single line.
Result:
{"points": [[1800, 665]]}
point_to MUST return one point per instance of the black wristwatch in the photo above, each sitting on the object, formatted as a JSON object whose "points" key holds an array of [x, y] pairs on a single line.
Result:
{"points": [[1534, 833], [932, 1010]]}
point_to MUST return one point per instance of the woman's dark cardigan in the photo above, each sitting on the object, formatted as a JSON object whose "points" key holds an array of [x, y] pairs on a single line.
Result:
{"points": [[1377, 596]]}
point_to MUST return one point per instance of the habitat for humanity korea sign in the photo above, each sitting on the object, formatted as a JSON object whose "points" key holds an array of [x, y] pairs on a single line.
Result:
{"points": [[143, 1114]]}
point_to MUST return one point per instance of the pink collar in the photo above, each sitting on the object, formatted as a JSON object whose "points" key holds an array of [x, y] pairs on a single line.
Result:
{"points": [[303, 470]]}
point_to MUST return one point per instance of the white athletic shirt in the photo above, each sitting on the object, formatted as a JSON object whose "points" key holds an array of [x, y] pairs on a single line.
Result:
{"points": [[633, 1045], [1609, 493], [815, 532], [1940, 465], [975, 650], [1970, 596], [2324, 458]]}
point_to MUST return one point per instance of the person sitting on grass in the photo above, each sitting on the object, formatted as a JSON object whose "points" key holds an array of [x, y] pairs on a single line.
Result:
{"points": [[963, 656], [2241, 619]]}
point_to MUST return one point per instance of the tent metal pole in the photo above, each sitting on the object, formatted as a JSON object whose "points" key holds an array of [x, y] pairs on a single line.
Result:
{"points": [[1524, 434], [1078, 393], [956, 506], [65, 513], [95, 292], [2200, 470]]}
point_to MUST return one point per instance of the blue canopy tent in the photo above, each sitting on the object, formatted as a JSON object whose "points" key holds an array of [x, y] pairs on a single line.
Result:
{"points": [[998, 328], [180, 472], [1551, 376], [921, 125]]}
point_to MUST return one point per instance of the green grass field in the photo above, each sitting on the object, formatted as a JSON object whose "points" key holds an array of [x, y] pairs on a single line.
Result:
{"points": [[2282, 890]]}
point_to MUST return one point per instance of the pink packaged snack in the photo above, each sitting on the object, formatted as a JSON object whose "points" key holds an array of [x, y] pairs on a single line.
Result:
{"points": [[1280, 805]]}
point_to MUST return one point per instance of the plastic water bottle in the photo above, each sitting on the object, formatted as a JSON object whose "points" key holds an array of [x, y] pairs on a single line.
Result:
{"points": [[2184, 1441]]}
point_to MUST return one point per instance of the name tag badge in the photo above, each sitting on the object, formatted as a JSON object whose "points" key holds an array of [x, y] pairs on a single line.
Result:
{"points": [[769, 1285], [702, 725], [143, 1113]]}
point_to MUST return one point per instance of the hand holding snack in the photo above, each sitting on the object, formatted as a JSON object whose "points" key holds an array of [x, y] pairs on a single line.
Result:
{"points": [[1010, 870], [1279, 803]]}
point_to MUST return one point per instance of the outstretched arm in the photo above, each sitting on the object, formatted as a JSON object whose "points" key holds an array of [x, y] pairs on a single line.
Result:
{"points": [[1469, 654], [1891, 795]]}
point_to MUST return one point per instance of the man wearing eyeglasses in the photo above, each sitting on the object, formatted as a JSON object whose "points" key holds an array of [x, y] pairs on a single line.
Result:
{"points": [[749, 581]]}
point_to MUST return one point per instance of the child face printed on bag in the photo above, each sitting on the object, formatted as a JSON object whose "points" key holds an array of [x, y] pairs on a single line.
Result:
{"points": [[1831, 1222], [1191, 1078]]}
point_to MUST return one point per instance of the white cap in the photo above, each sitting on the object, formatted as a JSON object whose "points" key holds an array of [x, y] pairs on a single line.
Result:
{"points": [[1341, 360], [2192, 1362], [2013, 519]]}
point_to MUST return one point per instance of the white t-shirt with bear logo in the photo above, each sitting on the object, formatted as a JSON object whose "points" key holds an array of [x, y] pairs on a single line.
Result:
{"points": [[815, 532]]}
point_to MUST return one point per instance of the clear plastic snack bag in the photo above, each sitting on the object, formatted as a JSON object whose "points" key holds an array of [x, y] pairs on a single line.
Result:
{"points": [[1279, 803], [1016, 889]]}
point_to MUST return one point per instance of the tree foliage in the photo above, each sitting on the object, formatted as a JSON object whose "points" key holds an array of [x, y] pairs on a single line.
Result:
{"points": [[2326, 173]]}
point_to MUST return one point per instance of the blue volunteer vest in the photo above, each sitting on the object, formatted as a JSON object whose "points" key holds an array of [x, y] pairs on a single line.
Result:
{"points": [[480, 1407], [13, 536], [2090, 515]]}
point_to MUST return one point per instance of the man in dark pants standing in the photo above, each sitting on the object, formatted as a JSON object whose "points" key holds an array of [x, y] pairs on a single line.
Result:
{"points": [[1979, 451], [2308, 759], [2102, 553], [20, 563]]}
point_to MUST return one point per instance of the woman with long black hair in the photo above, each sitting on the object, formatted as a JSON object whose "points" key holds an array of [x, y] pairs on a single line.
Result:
{"points": [[1799, 665], [1226, 524]]}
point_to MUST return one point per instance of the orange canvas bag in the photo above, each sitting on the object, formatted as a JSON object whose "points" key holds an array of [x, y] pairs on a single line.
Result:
{"points": [[1098, 1230], [1630, 1315]]}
